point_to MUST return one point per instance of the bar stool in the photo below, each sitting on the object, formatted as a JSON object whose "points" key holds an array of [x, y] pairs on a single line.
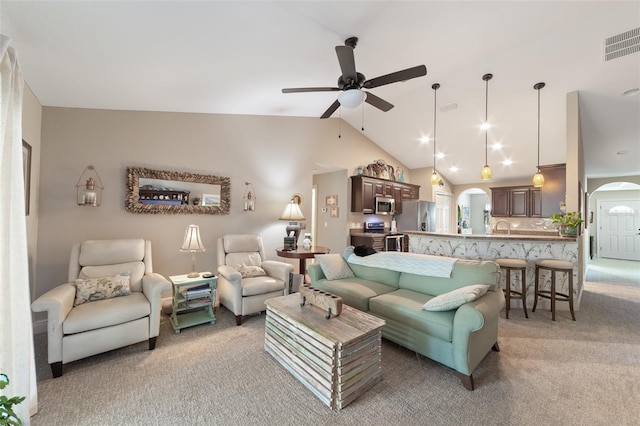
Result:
{"points": [[517, 265], [554, 265]]}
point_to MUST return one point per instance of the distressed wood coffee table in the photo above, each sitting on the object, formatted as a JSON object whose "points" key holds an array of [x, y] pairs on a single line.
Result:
{"points": [[337, 359]]}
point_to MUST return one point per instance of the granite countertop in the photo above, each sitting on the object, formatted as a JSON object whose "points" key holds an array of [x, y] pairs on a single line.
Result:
{"points": [[549, 236]]}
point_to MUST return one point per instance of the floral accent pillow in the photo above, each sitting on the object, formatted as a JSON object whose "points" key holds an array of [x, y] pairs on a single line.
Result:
{"points": [[92, 289], [251, 271]]}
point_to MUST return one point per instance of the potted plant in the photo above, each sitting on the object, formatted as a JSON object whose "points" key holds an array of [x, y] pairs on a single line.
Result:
{"points": [[569, 223], [7, 415]]}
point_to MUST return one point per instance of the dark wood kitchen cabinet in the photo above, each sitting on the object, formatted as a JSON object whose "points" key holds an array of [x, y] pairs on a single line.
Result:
{"points": [[515, 201], [365, 189]]}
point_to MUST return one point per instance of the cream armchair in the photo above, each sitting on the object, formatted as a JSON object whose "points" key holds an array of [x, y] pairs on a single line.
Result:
{"points": [[239, 254], [79, 331]]}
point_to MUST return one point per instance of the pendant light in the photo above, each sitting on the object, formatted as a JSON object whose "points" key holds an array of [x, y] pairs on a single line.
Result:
{"points": [[435, 180], [538, 179], [485, 174]]}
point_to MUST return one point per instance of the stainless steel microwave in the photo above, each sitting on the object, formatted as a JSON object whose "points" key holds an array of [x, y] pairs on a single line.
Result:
{"points": [[385, 205]]}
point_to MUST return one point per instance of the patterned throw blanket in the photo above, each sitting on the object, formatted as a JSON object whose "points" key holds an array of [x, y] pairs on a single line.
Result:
{"points": [[413, 263]]}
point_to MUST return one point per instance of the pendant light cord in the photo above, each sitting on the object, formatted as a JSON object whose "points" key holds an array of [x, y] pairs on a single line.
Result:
{"points": [[435, 88], [539, 130], [486, 118]]}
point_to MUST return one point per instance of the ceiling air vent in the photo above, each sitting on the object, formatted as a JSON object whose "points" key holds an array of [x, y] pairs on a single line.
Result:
{"points": [[622, 44]]}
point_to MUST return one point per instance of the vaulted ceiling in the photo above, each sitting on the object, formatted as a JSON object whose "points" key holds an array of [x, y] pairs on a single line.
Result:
{"points": [[235, 57]]}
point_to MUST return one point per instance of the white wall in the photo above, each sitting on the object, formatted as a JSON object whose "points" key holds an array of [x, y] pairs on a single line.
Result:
{"points": [[276, 154]]}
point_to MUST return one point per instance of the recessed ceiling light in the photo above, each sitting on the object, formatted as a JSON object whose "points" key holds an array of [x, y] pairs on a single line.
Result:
{"points": [[440, 155], [485, 126], [453, 169], [624, 152], [424, 139], [631, 92], [507, 162], [496, 146]]}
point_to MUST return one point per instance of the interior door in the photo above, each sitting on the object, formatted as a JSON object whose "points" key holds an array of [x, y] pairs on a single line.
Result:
{"points": [[619, 229], [443, 212]]}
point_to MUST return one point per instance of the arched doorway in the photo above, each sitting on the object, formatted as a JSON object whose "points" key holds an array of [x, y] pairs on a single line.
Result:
{"points": [[614, 221], [473, 211]]}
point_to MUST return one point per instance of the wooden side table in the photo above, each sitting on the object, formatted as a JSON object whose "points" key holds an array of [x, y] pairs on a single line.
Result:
{"points": [[189, 310], [302, 254]]}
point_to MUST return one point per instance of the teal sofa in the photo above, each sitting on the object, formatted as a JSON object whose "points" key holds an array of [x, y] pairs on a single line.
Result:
{"points": [[458, 338]]}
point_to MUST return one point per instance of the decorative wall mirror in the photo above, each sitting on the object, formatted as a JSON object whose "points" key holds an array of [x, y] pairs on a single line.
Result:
{"points": [[165, 192]]}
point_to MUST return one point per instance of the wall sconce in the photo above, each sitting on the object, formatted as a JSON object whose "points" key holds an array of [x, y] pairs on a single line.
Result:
{"points": [[249, 198], [192, 244], [89, 192]]}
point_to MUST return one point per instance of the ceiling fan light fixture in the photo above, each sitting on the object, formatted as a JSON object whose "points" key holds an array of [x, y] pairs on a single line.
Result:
{"points": [[351, 98]]}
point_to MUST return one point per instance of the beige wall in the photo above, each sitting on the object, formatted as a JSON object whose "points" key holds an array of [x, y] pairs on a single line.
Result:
{"points": [[277, 154], [31, 132]]}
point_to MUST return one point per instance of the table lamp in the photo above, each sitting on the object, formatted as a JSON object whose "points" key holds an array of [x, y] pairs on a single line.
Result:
{"points": [[193, 245], [293, 214]]}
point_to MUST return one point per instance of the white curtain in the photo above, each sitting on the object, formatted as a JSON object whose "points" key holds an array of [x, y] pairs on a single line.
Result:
{"points": [[16, 331]]}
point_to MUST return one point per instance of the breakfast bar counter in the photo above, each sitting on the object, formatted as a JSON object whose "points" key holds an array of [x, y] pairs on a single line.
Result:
{"points": [[528, 247]]}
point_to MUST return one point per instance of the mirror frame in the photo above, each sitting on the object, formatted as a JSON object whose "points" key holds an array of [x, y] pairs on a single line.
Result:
{"points": [[133, 204]]}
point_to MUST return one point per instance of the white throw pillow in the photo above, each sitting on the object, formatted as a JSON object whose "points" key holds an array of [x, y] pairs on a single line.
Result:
{"points": [[334, 266], [456, 298]]}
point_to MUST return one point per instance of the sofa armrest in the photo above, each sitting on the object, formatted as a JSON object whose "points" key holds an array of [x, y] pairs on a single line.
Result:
{"points": [[315, 272], [152, 286], [57, 302], [479, 317], [230, 274], [279, 270]]}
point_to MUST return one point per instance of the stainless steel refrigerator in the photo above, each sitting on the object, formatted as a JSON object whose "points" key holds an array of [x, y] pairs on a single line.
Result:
{"points": [[417, 215]]}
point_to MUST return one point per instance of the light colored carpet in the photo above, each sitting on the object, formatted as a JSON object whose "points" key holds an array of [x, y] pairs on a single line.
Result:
{"points": [[563, 372]]}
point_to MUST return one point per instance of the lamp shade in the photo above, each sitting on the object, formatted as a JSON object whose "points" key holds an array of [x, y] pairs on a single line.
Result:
{"points": [[538, 180], [351, 98], [485, 174], [192, 242], [292, 212]]}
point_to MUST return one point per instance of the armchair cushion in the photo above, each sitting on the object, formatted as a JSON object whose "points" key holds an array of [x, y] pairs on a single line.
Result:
{"points": [[240, 259], [136, 271], [261, 285], [92, 289], [106, 312]]}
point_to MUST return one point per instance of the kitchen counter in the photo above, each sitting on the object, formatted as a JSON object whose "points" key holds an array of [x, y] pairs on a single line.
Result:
{"points": [[515, 246], [498, 236]]}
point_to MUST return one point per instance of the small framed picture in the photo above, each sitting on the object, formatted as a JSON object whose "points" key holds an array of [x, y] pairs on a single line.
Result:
{"points": [[211, 200], [334, 212], [332, 200]]}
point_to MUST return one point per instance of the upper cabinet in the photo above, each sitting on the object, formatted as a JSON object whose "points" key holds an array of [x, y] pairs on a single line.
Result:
{"points": [[527, 201], [554, 189], [364, 190], [515, 201]]}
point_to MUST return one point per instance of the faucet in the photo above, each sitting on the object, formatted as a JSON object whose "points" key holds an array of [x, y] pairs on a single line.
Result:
{"points": [[495, 227]]}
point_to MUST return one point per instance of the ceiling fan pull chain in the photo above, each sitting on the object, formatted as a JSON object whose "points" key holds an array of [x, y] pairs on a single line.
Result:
{"points": [[340, 123], [362, 127]]}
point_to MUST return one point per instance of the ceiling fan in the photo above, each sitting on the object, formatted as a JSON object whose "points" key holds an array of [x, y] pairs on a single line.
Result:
{"points": [[351, 82]]}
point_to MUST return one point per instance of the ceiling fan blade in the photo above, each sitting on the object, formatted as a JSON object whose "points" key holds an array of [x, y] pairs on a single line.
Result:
{"points": [[378, 102], [334, 106], [347, 63], [310, 89], [394, 77]]}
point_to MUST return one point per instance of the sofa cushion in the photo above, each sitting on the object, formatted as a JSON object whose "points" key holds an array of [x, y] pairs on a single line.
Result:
{"points": [[355, 292], [464, 273], [334, 266], [261, 285], [105, 313], [455, 298], [405, 306], [93, 289], [381, 275]]}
